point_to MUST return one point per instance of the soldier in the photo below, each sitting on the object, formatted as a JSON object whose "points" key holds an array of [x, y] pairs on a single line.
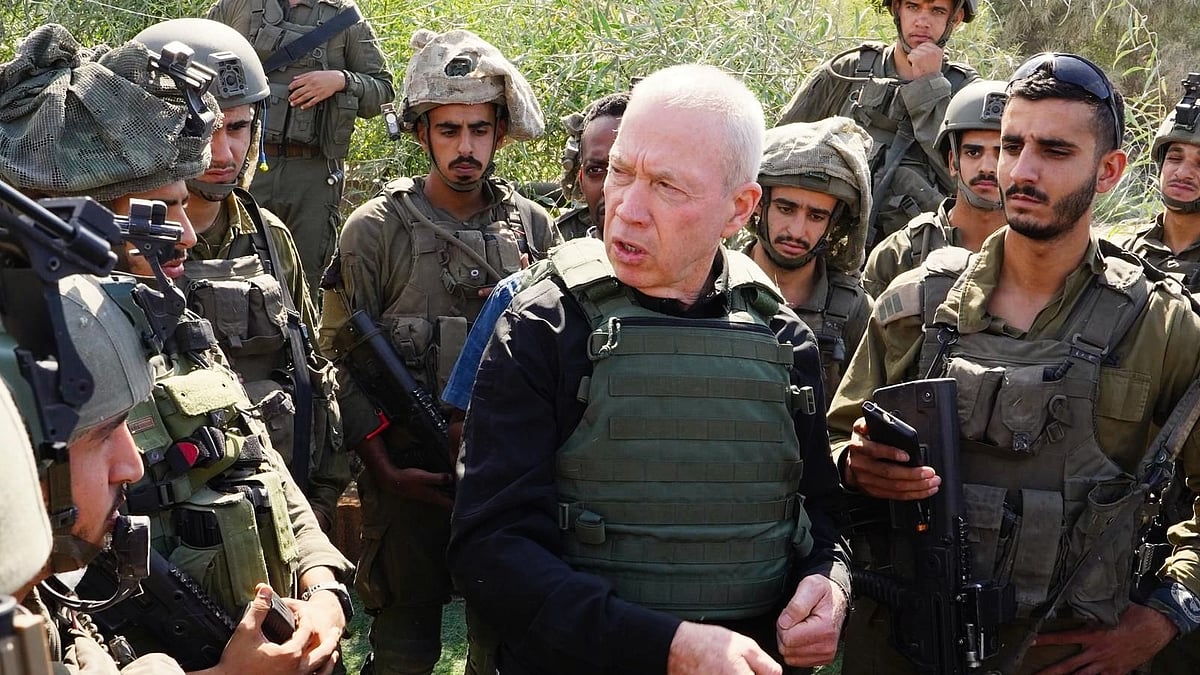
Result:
{"points": [[579, 528], [326, 70], [211, 473], [810, 229], [1172, 241], [899, 94], [970, 139], [1068, 353], [593, 137], [244, 274], [419, 260]]}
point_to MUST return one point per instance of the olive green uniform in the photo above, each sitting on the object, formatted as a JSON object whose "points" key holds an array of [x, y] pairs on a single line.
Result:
{"points": [[907, 247], [232, 237], [574, 223], [402, 576], [306, 148], [1146, 372], [863, 84]]}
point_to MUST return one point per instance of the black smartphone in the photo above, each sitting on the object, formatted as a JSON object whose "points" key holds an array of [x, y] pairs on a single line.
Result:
{"points": [[884, 427], [280, 623]]}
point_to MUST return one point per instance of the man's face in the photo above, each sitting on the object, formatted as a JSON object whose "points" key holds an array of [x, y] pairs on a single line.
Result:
{"points": [[797, 218], [667, 205], [103, 459], [1048, 168], [978, 154], [230, 143], [924, 21], [1180, 175], [594, 144], [175, 195], [462, 139]]}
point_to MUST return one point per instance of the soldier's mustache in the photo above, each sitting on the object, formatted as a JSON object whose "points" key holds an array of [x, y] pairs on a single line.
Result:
{"points": [[784, 239], [1028, 191], [979, 178], [469, 161]]}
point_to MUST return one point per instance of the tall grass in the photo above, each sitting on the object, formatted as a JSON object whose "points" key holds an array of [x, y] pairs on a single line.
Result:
{"points": [[574, 51]]}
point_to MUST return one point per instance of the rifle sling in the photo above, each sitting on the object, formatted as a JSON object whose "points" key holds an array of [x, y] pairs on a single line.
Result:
{"points": [[289, 53]]}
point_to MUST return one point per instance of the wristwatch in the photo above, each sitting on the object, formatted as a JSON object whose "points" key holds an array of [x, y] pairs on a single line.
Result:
{"points": [[349, 81], [337, 588]]}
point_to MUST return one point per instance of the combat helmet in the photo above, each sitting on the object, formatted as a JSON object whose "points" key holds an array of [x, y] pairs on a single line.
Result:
{"points": [[968, 7], [239, 79], [1181, 126], [21, 503], [828, 156], [978, 105]]}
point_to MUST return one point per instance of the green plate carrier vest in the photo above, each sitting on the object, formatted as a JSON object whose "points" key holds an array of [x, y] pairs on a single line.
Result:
{"points": [[223, 519], [1038, 486], [679, 485]]}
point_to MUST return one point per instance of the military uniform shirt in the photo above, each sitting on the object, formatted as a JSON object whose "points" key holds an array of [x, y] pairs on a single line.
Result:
{"points": [[894, 254]]}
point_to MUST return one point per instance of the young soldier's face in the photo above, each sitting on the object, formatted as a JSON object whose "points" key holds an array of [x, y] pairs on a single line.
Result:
{"points": [[230, 143], [103, 459], [797, 218], [462, 140], [594, 145], [1049, 170], [1180, 175], [925, 20], [175, 196], [978, 154]]}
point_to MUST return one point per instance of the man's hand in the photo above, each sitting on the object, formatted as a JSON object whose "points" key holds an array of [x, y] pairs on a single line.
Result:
{"points": [[249, 651], [807, 630], [700, 649], [926, 59], [1140, 634], [877, 469], [311, 88], [322, 615], [421, 485]]}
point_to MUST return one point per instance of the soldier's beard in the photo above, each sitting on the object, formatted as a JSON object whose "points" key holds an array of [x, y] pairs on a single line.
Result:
{"points": [[1065, 212]]}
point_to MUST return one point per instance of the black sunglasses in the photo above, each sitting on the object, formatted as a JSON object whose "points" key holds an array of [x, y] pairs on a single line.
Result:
{"points": [[1082, 73]]}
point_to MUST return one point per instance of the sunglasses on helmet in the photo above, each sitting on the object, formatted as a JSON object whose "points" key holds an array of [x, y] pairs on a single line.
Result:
{"points": [[1082, 73]]}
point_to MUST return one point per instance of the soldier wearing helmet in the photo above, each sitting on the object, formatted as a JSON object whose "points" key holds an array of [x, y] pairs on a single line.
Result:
{"points": [[419, 260], [899, 94], [242, 250], [585, 162], [123, 89], [969, 138], [1172, 241], [326, 69], [810, 227]]}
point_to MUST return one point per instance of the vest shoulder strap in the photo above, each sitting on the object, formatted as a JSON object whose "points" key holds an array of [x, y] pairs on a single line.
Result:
{"points": [[869, 55], [958, 73], [844, 292]]}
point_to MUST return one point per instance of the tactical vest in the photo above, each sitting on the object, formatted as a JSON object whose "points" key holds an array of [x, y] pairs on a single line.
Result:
{"points": [[429, 321], [327, 125], [829, 326], [1158, 254], [915, 185], [246, 306], [216, 502], [926, 234], [679, 485], [1038, 486]]}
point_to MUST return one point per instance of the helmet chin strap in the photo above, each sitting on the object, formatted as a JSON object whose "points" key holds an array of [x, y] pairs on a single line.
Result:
{"points": [[981, 203], [213, 192], [941, 42], [762, 232], [455, 185], [219, 192], [1180, 206]]}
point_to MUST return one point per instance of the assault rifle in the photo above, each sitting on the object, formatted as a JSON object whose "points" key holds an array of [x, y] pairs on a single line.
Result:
{"points": [[171, 610], [942, 621], [382, 375], [24, 649]]}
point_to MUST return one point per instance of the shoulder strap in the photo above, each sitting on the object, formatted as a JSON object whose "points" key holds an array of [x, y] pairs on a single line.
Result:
{"points": [[957, 74], [298, 342], [869, 54], [944, 268], [289, 53]]}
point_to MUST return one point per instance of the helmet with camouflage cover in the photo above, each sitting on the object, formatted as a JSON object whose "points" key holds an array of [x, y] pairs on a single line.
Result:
{"points": [[460, 67], [967, 6], [240, 80], [98, 122], [977, 106], [1181, 126], [828, 156]]}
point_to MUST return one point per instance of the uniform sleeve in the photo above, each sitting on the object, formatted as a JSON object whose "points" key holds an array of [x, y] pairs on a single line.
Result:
{"points": [[313, 546], [885, 262], [820, 96], [505, 551], [926, 99], [360, 284], [371, 81], [819, 486], [232, 13]]}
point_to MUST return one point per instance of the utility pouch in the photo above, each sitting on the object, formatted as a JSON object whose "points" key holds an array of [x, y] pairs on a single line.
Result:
{"points": [[1102, 591], [463, 273], [340, 113]]}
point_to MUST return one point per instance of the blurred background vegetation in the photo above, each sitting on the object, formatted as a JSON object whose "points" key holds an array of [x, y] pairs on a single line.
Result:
{"points": [[573, 51]]}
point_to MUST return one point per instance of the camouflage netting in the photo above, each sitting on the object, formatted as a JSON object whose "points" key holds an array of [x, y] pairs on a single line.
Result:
{"points": [[95, 122], [831, 154], [480, 74]]}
